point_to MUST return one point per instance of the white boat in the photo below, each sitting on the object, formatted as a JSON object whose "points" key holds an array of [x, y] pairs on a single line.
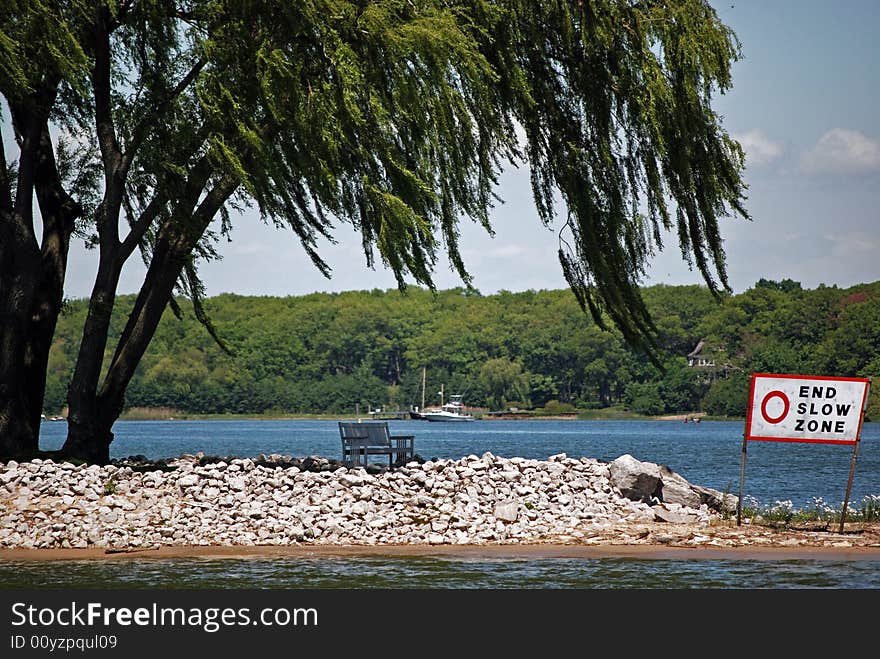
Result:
{"points": [[451, 411]]}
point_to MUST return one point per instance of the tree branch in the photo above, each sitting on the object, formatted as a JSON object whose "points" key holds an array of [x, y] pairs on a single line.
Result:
{"points": [[140, 131], [6, 205], [29, 116], [111, 156], [106, 130], [140, 226], [58, 209], [175, 245]]}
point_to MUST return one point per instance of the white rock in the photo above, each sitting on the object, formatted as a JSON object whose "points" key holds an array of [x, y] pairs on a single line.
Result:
{"points": [[351, 480], [188, 481], [507, 511]]}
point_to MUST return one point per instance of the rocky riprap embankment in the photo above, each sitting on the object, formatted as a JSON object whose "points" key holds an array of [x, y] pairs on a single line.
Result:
{"points": [[270, 501]]}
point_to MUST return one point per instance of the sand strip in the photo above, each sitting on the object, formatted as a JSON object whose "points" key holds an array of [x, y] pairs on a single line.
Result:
{"points": [[464, 552]]}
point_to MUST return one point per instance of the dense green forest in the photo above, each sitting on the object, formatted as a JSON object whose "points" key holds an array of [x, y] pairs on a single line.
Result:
{"points": [[344, 352]]}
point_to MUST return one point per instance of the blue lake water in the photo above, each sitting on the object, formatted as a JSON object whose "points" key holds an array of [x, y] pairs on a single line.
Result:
{"points": [[706, 454], [438, 572]]}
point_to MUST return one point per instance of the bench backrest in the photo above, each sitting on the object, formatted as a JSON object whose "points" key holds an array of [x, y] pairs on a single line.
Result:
{"points": [[375, 432], [378, 433], [352, 430]]}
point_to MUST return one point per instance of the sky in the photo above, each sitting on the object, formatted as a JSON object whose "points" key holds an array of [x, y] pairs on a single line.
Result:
{"points": [[804, 105]]}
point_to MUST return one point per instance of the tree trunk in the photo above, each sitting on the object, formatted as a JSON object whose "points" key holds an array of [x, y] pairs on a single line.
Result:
{"points": [[84, 438], [18, 268], [87, 439], [59, 212], [92, 415], [21, 275], [29, 309], [174, 247], [165, 267]]}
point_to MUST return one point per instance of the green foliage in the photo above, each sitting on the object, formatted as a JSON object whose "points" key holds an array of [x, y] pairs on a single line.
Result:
{"points": [[728, 396], [645, 398], [868, 509], [39, 41], [503, 381], [553, 407], [342, 352], [676, 389], [783, 513], [396, 117], [681, 387], [785, 286]]}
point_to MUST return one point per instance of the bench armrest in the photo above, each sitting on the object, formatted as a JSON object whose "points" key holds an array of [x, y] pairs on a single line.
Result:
{"points": [[403, 446]]}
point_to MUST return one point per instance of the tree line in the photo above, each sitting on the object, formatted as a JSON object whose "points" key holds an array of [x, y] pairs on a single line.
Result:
{"points": [[347, 352]]}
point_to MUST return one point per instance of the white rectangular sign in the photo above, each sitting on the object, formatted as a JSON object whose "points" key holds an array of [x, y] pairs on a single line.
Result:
{"points": [[806, 408]]}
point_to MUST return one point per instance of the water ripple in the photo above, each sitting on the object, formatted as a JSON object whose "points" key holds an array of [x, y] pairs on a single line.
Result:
{"points": [[439, 573]]}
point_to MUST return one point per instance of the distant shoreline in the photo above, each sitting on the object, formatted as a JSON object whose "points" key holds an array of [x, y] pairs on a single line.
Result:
{"points": [[334, 417]]}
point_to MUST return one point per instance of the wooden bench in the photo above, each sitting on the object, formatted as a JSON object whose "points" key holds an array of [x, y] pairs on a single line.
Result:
{"points": [[362, 439]]}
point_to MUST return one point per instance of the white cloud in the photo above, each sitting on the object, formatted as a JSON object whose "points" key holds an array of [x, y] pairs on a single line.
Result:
{"points": [[852, 243], [759, 149], [506, 251], [842, 151], [249, 248]]}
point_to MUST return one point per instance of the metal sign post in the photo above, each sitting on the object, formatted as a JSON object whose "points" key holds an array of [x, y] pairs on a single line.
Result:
{"points": [[852, 470], [742, 479], [742, 467], [852, 466]]}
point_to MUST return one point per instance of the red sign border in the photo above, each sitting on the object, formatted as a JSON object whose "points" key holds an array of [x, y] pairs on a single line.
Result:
{"points": [[804, 440]]}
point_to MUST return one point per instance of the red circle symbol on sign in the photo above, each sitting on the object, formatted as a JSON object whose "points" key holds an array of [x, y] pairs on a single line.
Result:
{"points": [[767, 399]]}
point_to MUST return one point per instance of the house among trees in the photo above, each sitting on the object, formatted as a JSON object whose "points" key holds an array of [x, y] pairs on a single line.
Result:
{"points": [[712, 363], [698, 358]]}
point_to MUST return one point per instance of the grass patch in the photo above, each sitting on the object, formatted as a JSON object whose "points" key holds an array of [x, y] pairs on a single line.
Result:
{"points": [[783, 514], [152, 414], [609, 414]]}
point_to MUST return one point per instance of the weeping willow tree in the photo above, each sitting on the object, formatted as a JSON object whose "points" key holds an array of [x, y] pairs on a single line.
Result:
{"points": [[394, 116]]}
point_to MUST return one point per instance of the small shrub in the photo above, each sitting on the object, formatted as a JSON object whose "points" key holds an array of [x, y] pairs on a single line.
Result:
{"points": [[725, 511], [152, 414], [552, 407], [869, 510], [783, 513]]}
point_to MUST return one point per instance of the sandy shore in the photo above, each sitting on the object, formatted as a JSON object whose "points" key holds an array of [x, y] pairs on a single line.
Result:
{"points": [[642, 540], [472, 552]]}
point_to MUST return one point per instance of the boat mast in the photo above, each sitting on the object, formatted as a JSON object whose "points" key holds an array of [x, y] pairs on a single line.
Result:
{"points": [[423, 389], [441, 395]]}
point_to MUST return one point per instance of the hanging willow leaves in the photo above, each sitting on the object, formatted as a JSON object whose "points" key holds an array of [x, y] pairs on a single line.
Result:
{"points": [[395, 116], [622, 127]]}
